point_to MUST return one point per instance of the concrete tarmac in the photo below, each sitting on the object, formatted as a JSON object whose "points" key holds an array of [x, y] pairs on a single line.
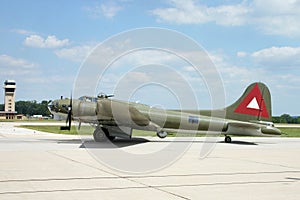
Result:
{"points": [[37, 165]]}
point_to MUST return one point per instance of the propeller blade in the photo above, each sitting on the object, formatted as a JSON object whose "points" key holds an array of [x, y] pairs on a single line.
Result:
{"points": [[69, 117], [67, 120], [71, 101], [79, 126], [70, 113]]}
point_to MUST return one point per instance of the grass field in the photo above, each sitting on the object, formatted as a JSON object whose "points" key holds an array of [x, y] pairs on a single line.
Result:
{"points": [[84, 130], [290, 132], [29, 120], [88, 130]]}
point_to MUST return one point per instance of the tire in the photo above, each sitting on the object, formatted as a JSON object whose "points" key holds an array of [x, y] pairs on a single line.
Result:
{"points": [[106, 132], [102, 134], [99, 135], [227, 139], [162, 134]]}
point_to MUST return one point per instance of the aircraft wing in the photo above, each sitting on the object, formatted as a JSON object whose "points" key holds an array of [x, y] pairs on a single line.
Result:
{"points": [[137, 117]]}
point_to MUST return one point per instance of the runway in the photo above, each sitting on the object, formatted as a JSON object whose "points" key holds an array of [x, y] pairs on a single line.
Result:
{"points": [[36, 165]]}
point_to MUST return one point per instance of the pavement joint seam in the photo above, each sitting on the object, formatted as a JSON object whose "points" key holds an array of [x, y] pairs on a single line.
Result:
{"points": [[264, 163], [134, 181], [155, 187], [145, 176]]}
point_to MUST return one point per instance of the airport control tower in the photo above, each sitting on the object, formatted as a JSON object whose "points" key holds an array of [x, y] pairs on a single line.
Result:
{"points": [[9, 95]]}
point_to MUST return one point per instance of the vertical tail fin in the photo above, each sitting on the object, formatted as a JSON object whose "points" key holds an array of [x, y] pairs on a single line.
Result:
{"points": [[254, 104]]}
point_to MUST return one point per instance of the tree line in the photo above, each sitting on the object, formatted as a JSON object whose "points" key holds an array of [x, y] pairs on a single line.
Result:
{"points": [[30, 108], [286, 118]]}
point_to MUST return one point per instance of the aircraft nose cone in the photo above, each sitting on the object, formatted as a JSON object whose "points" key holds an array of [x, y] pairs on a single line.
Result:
{"points": [[52, 107]]}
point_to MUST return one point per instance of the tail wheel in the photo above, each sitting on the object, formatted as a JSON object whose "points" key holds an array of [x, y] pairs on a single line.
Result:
{"points": [[227, 139], [162, 134]]}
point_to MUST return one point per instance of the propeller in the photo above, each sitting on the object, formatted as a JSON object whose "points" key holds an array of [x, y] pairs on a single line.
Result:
{"points": [[69, 117]]}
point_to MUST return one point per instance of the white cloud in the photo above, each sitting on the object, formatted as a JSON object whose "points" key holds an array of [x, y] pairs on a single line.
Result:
{"points": [[229, 15], [146, 57], [33, 82], [183, 12], [15, 66], [137, 77], [262, 65], [230, 72], [9, 61], [108, 10], [277, 17], [274, 52], [50, 42], [278, 56], [274, 17], [46, 79], [282, 82], [22, 31], [76, 54], [241, 54], [189, 69], [188, 12]]}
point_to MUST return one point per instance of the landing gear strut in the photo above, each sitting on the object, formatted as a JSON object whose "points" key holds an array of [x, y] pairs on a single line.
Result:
{"points": [[227, 139], [101, 134]]}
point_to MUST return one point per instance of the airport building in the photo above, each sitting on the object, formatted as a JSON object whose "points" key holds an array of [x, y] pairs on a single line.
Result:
{"points": [[9, 100]]}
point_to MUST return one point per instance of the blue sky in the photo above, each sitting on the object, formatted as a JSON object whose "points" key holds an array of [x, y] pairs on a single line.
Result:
{"points": [[43, 43]]}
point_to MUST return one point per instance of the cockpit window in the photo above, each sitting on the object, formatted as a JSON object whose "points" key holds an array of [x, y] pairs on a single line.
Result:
{"points": [[88, 99]]}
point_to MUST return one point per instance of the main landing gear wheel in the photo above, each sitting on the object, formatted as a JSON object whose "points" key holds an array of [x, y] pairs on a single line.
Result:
{"points": [[101, 134], [162, 134], [227, 139]]}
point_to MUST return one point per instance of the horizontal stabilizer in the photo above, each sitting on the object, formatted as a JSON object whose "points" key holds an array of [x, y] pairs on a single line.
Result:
{"points": [[244, 125]]}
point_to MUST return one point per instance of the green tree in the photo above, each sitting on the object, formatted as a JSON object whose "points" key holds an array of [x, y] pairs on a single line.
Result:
{"points": [[32, 108], [286, 118], [276, 119]]}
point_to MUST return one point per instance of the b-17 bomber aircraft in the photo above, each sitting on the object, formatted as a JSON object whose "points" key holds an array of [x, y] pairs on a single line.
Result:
{"points": [[250, 115]]}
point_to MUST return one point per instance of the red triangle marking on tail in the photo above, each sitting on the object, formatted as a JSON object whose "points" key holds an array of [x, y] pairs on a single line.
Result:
{"points": [[253, 104]]}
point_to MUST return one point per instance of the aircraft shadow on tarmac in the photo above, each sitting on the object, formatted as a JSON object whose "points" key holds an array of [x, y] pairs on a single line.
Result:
{"points": [[241, 142], [120, 143], [117, 143], [201, 142]]}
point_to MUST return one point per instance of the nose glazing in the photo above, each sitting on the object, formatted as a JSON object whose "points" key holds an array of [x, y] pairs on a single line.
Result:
{"points": [[53, 106]]}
